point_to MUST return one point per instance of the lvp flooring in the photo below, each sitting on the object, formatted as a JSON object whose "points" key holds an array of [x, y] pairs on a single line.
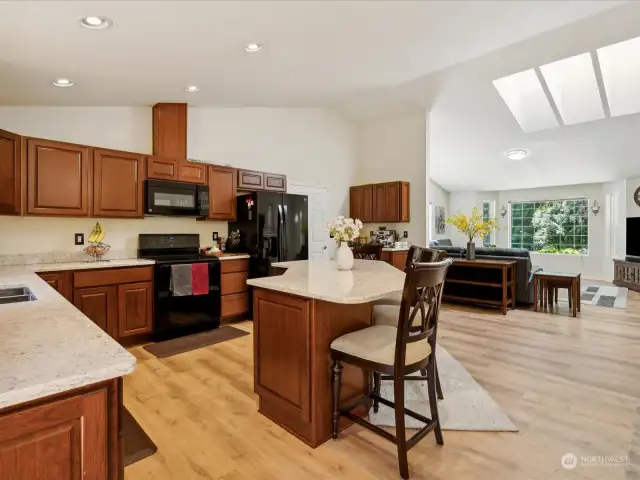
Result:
{"points": [[571, 385]]}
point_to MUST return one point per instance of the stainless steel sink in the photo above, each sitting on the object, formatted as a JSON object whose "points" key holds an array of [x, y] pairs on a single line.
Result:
{"points": [[16, 294]]}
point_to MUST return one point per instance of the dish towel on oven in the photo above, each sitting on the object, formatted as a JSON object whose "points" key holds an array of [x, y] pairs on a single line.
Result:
{"points": [[200, 278], [181, 283]]}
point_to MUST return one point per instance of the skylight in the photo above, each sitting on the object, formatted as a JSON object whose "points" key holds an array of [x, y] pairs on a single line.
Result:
{"points": [[525, 97], [574, 89], [620, 66]]}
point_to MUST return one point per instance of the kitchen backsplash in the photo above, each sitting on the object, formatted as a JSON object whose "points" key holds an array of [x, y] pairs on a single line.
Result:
{"points": [[26, 240]]}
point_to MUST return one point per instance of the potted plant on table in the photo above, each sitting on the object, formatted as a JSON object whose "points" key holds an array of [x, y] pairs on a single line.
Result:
{"points": [[472, 227], [344, 230]]}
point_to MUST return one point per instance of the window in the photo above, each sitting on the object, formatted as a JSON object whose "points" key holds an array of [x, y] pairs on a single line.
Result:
{"points": [[486, 215], [550, 226]]}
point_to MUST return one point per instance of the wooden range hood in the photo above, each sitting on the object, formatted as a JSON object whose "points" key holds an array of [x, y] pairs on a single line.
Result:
{"points": [[170, 130]]}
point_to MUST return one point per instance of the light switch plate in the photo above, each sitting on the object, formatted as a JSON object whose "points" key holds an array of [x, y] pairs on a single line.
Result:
{"points": [[79, 238], [406, 234], [215, 236]]}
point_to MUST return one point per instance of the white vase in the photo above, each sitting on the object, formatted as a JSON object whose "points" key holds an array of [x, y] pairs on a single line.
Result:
{"points": [[344, 257]]}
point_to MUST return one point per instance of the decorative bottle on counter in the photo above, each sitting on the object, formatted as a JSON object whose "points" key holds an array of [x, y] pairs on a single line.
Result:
{"points": [[344, 257]]}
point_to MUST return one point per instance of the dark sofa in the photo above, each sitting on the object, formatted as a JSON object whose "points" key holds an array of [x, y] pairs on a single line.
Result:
{"points": [[524, 268]]}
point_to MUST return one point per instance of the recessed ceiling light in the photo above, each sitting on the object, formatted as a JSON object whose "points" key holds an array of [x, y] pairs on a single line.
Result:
{"points": [[192, 88], [517, 154], [253, 47], [63, 82], [95, 23]]}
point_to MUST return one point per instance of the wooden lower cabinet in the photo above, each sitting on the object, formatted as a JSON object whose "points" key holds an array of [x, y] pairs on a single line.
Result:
{"points": [[397, 259], [100, 304], [233, 288], [59, 281], [135, 309], [73, 437], [118, 300]]}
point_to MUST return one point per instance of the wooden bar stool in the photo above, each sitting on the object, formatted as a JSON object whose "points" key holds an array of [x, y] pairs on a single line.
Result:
{"points": [[397, 352], [367, 252]]}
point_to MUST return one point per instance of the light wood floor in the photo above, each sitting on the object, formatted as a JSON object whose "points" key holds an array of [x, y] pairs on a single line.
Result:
{"points": [[569, 384]]}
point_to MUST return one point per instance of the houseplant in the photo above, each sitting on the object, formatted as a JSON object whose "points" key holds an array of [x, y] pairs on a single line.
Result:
{"points": [[472, 227], [344, 230]]}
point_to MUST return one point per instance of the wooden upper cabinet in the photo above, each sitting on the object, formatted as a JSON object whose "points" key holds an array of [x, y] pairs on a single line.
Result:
{"points": [[366, 203], [222, 193], [170, 130], [379, 204], [192, 172], [10, 173], [392, 201], [118, 188], [405, 201], [57, 178], [60, 439], [275, 182], [355, 202], [135, 309], [250, 180], [162, 168]]}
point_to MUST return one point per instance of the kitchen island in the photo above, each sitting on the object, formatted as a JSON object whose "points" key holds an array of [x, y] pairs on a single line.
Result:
{"points": [[296, 317]]}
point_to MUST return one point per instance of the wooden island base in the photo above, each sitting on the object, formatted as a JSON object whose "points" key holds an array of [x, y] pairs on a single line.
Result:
{"points": [[292, 377]]}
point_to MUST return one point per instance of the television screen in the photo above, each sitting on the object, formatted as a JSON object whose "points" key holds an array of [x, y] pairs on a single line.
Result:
{"points": [[633, 236]]}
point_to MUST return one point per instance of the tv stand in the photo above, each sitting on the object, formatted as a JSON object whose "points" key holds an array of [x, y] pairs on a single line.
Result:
{"points": [[626, 273], [631, 258]]}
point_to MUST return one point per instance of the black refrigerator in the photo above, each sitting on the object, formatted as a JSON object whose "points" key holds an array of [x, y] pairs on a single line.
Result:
{"points": [[271, 227]]}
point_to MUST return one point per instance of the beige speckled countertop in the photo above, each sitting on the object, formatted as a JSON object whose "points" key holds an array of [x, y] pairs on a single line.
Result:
{"points": [[48, 346], [369, 280]]}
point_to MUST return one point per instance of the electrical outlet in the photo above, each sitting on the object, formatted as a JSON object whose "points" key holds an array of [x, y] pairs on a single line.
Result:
{"points": [[79, 238], [406, 234], [215, 236]]}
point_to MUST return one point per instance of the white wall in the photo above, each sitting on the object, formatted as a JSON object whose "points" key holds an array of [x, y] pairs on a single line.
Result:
{"points": [[311, 146], [395, 148], [438, 197]]}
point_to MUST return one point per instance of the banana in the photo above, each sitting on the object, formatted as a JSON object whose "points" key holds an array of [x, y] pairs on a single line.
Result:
{"points": [[100, 236]]}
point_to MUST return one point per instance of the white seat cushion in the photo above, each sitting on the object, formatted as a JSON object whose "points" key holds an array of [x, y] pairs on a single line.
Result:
{"points": [[378, 344], [388, 315], [394, 298]]}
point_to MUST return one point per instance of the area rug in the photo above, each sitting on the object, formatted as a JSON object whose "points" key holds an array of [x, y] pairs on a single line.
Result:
{"points": [[179, 345], [137, 444], [466, 405], [598, 295]]}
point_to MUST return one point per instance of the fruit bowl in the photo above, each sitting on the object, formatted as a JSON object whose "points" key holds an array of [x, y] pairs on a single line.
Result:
{"points": [[96, 251]]}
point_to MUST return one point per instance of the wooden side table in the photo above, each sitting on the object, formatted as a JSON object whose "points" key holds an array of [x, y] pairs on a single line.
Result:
{"points": [[546, 284]]}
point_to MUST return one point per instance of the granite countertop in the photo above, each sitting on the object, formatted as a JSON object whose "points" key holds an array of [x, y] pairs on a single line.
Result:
{"points": [[47, 346], [233, 256], [63, 266], [320, 279], [394, 249]]}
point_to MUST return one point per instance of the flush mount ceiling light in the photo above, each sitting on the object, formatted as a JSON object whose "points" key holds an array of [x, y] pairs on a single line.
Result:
{"points": [[517, 154], [95, 23], [253, 47], [63, 82], [192, 88]]}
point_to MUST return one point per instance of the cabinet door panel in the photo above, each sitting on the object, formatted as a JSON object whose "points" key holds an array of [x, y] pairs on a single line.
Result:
{"points": [[275, 182], [250, 180], [57, 178], [99, 304], [135, 308], [170, 130], [161, 168], [405, 202], [10, 173], [399, 259], [354, 202], [392, 201], [64, 439], [117, 184], [235, 304], [222, 193], [366, 203], [379, 205], [59, 281], [233, 283], [192, 172]]}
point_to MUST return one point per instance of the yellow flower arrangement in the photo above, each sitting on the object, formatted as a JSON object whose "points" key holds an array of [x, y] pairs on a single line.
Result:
{"points": [[475, 226]]}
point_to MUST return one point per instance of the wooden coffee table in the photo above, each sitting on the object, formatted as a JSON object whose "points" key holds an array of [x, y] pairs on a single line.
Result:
{"points": [[547, 284]]}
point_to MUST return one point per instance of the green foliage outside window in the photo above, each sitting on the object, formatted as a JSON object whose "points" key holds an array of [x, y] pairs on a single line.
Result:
{"points": [[554, 226]]}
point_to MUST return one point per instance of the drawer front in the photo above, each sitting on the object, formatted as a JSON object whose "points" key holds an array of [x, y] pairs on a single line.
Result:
{"points": [[275, 182], [234, 282], [235, 304], [250, 180], [230, 266], [111, 276]]}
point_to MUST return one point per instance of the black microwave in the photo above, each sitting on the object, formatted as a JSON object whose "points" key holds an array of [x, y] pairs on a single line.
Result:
{"points": [[176, 199]]}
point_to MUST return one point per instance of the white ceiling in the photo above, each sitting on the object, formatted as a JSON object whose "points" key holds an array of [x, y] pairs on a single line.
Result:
{"points": [[350, 54], [471, 127]]}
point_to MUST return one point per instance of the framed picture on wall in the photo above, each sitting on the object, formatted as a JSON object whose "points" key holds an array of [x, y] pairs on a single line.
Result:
{"points": [[440, 219]]}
